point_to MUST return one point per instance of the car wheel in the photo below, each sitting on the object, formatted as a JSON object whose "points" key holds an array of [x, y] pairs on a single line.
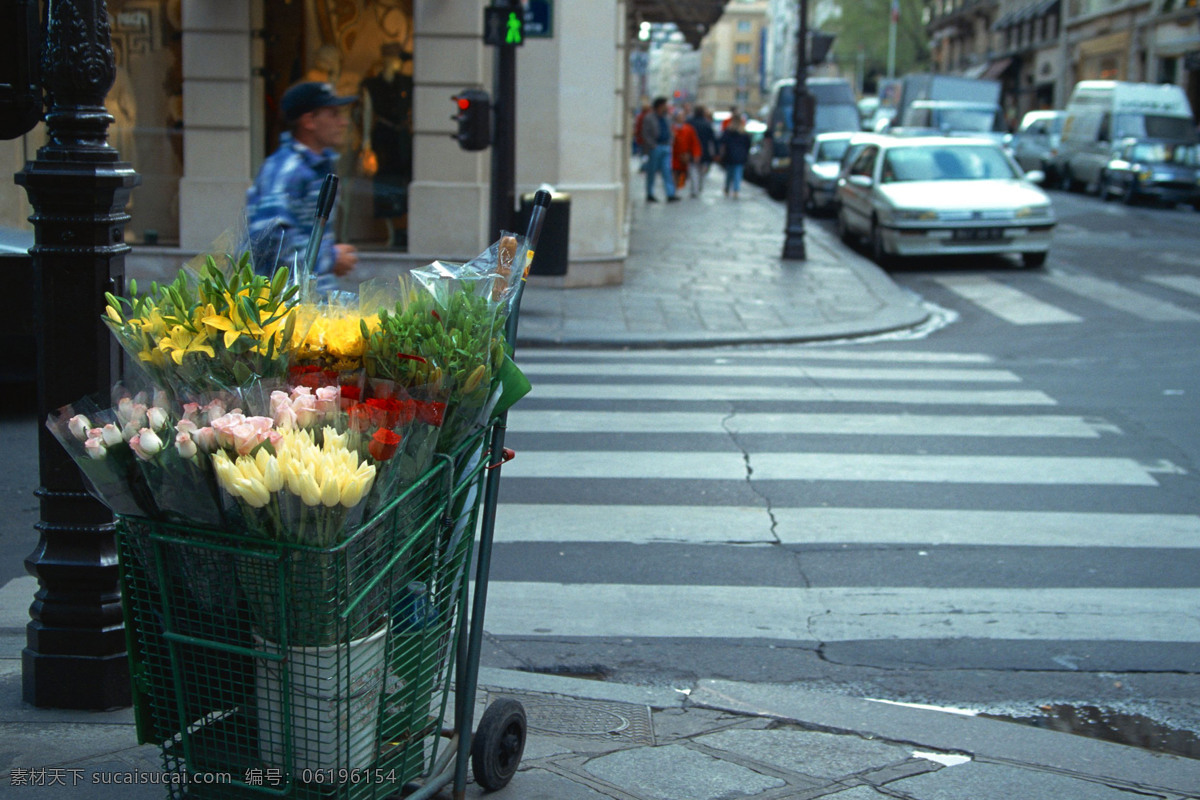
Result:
{"points": [[1131, 195], [878, 252], [1052, 179], [1069, 184], [1033, 260], [843, 230]]}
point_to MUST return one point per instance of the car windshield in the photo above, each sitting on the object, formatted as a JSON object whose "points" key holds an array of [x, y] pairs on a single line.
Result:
{"points": [[1153, 126], [966, 119], [1164, 153], [957, 163], [832, 150]]}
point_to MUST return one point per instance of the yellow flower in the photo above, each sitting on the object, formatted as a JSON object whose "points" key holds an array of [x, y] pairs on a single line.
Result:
{"points": [[330, 493], [334, 441], [344, 339], [225, 324], [356, 485], [181, 341], [253, 492], [272, 475], [310, 492]]}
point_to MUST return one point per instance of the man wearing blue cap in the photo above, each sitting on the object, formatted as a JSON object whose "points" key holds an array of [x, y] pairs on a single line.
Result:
{"points": [[281, 206]]}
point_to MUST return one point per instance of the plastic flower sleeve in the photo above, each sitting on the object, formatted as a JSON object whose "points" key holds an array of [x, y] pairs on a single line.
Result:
{"points": [[456, 324], [331, 351], [92, 437], [209, 331]]}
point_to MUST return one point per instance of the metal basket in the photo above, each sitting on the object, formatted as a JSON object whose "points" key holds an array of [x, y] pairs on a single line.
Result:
{"points": [[270, 669]]}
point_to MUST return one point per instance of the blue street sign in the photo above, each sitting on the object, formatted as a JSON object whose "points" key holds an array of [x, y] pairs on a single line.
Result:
{"points": [[539, 19]]}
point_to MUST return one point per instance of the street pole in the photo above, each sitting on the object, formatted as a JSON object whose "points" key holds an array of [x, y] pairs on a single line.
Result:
{"points": [[802, 121], [78, 186], [504, 146], [893, 23]]}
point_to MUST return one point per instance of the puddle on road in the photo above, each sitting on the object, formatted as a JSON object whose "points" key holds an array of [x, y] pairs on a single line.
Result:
{"points": [[1111, 726], [591, 672]]}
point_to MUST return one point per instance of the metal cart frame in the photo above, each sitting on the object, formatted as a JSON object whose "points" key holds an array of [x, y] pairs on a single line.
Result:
{"points": [[326, 672]]}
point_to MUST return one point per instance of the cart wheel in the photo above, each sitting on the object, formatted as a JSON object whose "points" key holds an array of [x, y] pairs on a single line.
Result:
{"points": [[498, 743]]}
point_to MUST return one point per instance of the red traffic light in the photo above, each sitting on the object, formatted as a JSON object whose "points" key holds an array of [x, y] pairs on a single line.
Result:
{"points": [[474, 119]]}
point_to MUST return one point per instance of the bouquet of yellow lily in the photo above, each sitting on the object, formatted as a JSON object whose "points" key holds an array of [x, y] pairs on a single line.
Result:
{"points": [[209, 332]]}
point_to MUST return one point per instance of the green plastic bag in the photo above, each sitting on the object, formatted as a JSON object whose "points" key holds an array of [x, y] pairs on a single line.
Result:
{"points": [[513, 385]]}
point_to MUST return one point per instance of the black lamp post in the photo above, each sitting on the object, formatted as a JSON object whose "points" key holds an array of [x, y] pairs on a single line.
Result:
{"points": [[78, 187], [809, 50], [802, 121]]}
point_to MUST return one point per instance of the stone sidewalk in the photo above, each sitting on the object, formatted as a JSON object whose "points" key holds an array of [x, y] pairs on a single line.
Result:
{"points": [[709, 271]]}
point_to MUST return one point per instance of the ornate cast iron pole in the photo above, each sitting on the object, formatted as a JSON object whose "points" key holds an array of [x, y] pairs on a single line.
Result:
{"points": [[78, 187], [802, 122]]}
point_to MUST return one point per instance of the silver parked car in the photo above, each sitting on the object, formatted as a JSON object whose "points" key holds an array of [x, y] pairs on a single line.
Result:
{"points": [[1035, 144], [923, 196], [823, 162]]}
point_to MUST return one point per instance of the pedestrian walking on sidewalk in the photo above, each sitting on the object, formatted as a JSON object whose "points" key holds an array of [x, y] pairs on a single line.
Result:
{"points": [[655, 138], [685, 152], [703, 125], [281, 205], [733, 150]]}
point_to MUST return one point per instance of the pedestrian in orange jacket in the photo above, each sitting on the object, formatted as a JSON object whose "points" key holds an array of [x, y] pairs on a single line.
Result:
{"points": [[685, 150]]}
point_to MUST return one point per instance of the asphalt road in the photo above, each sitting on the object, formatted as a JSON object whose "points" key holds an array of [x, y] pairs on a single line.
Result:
{"points": [[1000, 515]]}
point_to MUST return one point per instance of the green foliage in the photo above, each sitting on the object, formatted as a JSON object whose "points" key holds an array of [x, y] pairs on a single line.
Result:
{"points": [[446, 349], [863, 28]]}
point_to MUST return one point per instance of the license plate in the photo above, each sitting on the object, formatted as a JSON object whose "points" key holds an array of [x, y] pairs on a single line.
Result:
{"points": [[977, 234]]}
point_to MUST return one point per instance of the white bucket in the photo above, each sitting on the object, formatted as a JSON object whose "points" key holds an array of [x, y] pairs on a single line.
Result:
{"points": [[333, 696]]}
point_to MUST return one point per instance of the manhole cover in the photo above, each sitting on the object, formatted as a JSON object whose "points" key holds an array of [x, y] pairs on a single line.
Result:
{"points": [[556, 715]]}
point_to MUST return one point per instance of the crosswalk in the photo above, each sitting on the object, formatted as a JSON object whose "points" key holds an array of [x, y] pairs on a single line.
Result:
{"points": [[641, 462], [1058, 298], [824, 495]]}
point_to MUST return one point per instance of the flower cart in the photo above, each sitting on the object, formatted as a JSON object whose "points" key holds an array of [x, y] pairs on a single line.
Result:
{"points": [[299, 613]]}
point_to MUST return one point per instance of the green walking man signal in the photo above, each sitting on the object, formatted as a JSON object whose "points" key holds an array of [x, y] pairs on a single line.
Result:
{"points": [[504, 26]]}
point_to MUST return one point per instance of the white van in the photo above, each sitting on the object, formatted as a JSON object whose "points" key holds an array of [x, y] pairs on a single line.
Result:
{"points": [[1101, 113]]}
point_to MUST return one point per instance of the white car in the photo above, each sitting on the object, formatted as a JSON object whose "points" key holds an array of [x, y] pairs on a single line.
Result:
{"points": [[823, 162], [924, 196]]}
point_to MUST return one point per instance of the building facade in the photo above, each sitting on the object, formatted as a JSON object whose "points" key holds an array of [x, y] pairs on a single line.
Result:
{"points": [[1039, 49], [733, 58], [195, 108]]}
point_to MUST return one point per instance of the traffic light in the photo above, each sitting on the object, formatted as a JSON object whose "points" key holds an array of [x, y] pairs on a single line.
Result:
{"points": [[474, 119], [819, 45]]}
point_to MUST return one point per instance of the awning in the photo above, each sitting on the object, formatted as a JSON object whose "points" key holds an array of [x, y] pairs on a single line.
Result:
{"points": [[975, 71], [996, 69], [694, 18], [1031, 11]]}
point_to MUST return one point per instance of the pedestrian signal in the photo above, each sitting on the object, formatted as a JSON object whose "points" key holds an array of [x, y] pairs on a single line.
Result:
{"points": [[504, 25], [474, 119]]}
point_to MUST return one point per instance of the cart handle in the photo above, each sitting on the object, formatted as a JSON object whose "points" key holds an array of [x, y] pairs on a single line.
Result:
{"points": [[506, 454]]}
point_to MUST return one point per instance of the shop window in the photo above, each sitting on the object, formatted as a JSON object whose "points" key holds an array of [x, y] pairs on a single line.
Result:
{"points": [[146, 102], [364, 48]]}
